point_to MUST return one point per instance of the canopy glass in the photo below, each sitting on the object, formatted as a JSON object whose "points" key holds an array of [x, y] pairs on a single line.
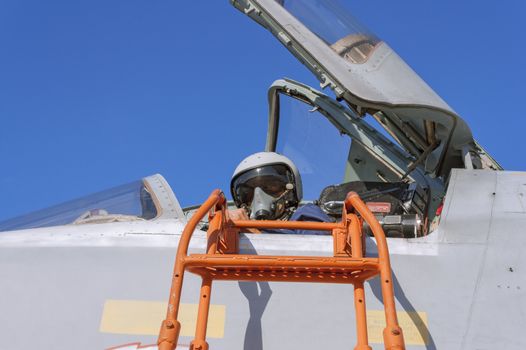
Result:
{"points": [[128, 202], [337, 28]]}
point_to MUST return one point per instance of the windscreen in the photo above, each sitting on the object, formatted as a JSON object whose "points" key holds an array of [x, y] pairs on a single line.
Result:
{"points": [[332, 23], [314, 144], [123, 203]]}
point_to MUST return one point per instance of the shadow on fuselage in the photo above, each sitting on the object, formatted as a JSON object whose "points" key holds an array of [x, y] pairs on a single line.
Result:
{"points": [[258, 295], [407, 306], [257, 302]]}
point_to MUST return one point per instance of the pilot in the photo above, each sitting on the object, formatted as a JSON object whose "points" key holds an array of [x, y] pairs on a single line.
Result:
{"points": [[267, 186]]}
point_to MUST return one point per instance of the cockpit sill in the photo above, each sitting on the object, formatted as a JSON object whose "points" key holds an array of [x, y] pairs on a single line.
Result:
{"points": [[155, 233], [165, 234]]}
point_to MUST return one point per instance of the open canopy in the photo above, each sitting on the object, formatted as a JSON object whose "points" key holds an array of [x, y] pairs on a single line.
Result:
{"points": [[365, 72]]}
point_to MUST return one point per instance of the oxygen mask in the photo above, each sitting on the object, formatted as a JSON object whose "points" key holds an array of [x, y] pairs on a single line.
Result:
{"points": [[267, 207]]}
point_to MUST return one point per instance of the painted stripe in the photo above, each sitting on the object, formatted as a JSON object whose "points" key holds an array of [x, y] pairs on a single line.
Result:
{"points": [[413, 324], [142, 317]]}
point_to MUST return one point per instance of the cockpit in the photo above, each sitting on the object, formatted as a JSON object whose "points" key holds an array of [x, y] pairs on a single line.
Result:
{"points": [[336, 151]]}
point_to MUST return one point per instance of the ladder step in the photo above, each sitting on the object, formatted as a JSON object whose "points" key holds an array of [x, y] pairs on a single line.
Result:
{"points": [[264, 262], [346, 276]]}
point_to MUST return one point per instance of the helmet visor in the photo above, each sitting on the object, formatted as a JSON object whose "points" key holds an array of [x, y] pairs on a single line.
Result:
{"points": [[272, 179]]}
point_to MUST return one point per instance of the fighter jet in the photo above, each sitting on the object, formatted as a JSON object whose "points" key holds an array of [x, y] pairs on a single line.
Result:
{"points": [[95, 273]]}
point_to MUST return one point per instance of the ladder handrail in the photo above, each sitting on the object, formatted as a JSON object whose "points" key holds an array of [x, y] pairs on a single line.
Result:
{"points": [[170, 327], [392, 329]]}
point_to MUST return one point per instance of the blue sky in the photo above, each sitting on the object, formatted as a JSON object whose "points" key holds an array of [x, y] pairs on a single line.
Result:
{"points": [[94, 94]]}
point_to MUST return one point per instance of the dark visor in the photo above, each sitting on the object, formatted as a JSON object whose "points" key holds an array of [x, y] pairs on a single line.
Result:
{"points": [[272, 179]]}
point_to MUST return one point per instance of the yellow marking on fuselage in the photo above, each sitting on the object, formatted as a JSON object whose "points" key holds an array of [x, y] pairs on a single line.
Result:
{"points": [[142, 317], [413, 324]]}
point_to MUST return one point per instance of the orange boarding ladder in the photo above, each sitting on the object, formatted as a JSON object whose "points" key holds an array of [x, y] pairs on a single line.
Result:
{"points": [[222, 261]]}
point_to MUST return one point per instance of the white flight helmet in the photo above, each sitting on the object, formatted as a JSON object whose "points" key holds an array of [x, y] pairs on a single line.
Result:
{"points": [[268, 184]]}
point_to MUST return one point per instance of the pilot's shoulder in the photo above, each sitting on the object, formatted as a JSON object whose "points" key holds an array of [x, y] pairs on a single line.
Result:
{"points": [[310, 212]]}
